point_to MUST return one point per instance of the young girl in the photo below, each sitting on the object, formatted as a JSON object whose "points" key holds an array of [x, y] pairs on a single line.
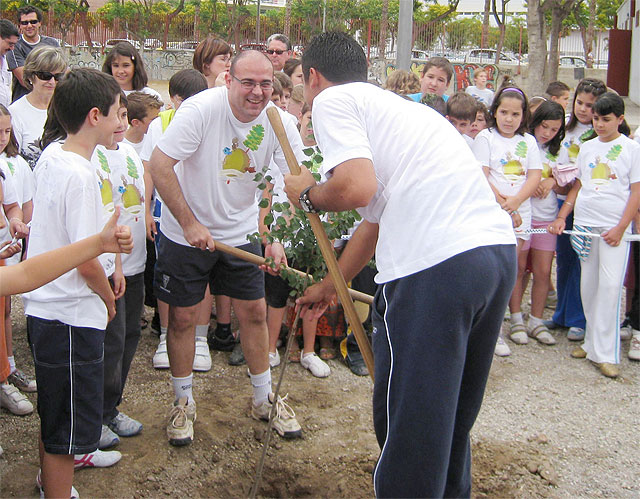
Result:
{"points": [[125, 64], [578, 129], [511, 160], [547, 126], [606, 196]]}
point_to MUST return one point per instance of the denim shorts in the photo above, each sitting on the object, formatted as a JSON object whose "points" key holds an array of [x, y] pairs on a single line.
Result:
{"points": [[69, 372]]}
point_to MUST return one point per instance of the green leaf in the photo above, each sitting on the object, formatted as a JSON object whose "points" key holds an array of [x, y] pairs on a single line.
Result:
{"points": [[263, 203], [277, 207], [268, 219], [318, 159], [308, 152], [262, 186], [257, 177], [308, 164]]}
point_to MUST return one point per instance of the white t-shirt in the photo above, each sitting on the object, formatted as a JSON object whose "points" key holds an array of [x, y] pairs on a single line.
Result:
{"points": [[18, 172], [28, 122], [7, 196], [432, 201], [545, 209], [5, 82], [468, 140], [220, 158], [606, 172], [485, 95], [137, 147], [574, 139], [66, 209], [127, 191]]}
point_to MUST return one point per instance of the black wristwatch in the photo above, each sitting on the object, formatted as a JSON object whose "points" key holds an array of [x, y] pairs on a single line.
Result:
{"points": [[305, 202]]}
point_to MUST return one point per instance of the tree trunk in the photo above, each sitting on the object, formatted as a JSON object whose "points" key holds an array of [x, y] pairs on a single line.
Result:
{"points": [[588, 49], [537, 48], [287, 20], [484, 40], [559, 12], [170, 18], [384, 23]]}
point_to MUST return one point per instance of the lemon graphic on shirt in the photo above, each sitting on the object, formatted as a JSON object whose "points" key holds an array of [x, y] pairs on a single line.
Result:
{"points": [[601, 172], [106, 188], [573, 150], [512, 167], [131, 197], [237, 160]]}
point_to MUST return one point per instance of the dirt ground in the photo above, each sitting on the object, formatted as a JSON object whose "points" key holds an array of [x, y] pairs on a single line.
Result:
{"points": [[550, 426]]}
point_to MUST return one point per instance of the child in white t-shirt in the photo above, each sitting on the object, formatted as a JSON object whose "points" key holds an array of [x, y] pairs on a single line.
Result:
{"points": [[606, 196], [511, 161], [461, 112], [480, 90], [142, 109]]}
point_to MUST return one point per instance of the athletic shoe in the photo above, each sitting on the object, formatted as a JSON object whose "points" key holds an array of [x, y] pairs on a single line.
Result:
{"points": [[124, 426], [237, 356], [180, 427], [550, 324], [22, 382], [274, 359], [202, 358], [609, 370], [284, 420], [219, 339], [74, 492], [315, 365], [502, 349], [519, 334], [107, 438], [626, 332], [355, 361], [634, 346], [575, 334], [96, 459], [14, 401], [161, 357]]}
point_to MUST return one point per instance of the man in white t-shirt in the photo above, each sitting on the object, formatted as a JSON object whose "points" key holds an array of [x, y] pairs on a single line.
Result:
{"points": [[8, 39], [217, 141], [445, 253]]}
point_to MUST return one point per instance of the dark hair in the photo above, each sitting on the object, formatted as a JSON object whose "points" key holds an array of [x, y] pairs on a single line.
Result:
{"points": [[139, 103], [514, 93], [125, 49], [462, 106], [80, 91], [8, 29], [337, 56], [11, 149], [284, 80], [207, 50], [591, 86], [281, 38], [482, 108], [53, 130], [557, 88], [29, 9], [186, 83], [612, 103], [549, 110], [434, 101], [290, 65], [441, 63]]}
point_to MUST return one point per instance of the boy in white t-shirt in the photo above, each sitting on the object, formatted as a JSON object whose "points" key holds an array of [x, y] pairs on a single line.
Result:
{"points": [[480, 90], [461, 112], [66, 318], [142, 109]]}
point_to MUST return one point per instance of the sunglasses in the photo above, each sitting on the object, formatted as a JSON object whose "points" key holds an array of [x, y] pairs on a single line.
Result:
{"points": [[32, 21], [272, 51], [46, 76]]}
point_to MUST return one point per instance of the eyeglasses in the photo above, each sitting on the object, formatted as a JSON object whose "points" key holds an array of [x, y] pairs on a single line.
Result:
{"points": [[31, 21], [273, 51], [46, 76], [250, 84]]}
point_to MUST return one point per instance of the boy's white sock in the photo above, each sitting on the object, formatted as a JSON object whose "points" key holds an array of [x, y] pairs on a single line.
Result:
{"points": [[261, 384], [516, 318], [182, 387], [201, 331], [534, 321], [12, 363], [163, 330]]}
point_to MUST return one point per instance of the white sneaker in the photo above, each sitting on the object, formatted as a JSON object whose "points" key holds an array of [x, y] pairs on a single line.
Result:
{"points": [[96, 459], [202, 358], [274, 359], [74, 492], [284, 421], [107, 438], [502, 349], [634, 346], [180, 427], [14, 401], [125, 426], [161, 357], [315, 364]]}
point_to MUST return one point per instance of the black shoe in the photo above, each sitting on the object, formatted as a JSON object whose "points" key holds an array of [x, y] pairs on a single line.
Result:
{"points": [[237, 356], [356, 364], [220, 340], [155, 324]]}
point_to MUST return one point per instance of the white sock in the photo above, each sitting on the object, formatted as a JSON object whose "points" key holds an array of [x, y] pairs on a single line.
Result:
{"points": [[261, 384], [182, 387], [534, 321], [163, 337], [163, 330], [201, 331], [12, 363], [516, 318]]}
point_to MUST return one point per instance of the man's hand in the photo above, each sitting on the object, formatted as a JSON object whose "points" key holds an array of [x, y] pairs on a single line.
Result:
{"points": [[295, 184], [198, 236], [275, 251], [116, 238], [18, 228], [316, 299]]}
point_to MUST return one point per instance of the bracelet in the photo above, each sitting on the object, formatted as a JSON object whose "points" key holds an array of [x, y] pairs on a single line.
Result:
{"points": [[569, 203], [561, 218], [514, 212], [15, 218]]}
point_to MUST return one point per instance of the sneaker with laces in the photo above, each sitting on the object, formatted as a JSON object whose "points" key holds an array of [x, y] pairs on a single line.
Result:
{"points": [[180, 427], [96, 459], [125, 426], [14, 401], [315, 365], [22, 382], [502, 349], [74, 492], [274, 359], [626, 332], [634, 346], [202, 358], [161, 357], [575, 334], [107, 438], [284, 421]]}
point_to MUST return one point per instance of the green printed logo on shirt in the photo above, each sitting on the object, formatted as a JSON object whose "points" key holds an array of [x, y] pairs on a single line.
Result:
{"points": [[601, 171], [106, 187], [237, 160]]}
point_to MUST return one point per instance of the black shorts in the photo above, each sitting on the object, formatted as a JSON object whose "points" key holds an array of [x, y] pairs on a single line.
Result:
{"points": [[183, 272], [276, 291], [69, 367]]}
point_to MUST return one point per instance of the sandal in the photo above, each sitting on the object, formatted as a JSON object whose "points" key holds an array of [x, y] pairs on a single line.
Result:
{"points": [[327, 353], [143, 323], [518, 334], [294, 355], [542, 334]]}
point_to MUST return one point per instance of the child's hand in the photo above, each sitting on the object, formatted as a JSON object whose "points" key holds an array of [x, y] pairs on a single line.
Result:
{"points": [[516, 219], [10, 250], [116, 238], [545, 187], [511, 203], [613, 236], [557, 226]]}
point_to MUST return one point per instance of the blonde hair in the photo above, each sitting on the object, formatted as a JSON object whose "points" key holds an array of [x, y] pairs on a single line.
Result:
{"points": [[297, 94], [402, 82], [48, 59]]}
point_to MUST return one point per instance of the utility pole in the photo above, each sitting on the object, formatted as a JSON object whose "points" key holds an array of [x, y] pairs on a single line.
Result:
{"points": [[405, 34], [324, 16], [258, 23]]}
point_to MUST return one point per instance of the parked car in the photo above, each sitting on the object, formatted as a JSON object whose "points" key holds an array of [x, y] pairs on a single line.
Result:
{"points": [[152, 44], [85, 45], [112, 42], [488, 56], [572, 61], [260, 47]]}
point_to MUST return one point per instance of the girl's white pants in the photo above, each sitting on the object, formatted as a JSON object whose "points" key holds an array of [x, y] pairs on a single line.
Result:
{"points": [[601, 290]]}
